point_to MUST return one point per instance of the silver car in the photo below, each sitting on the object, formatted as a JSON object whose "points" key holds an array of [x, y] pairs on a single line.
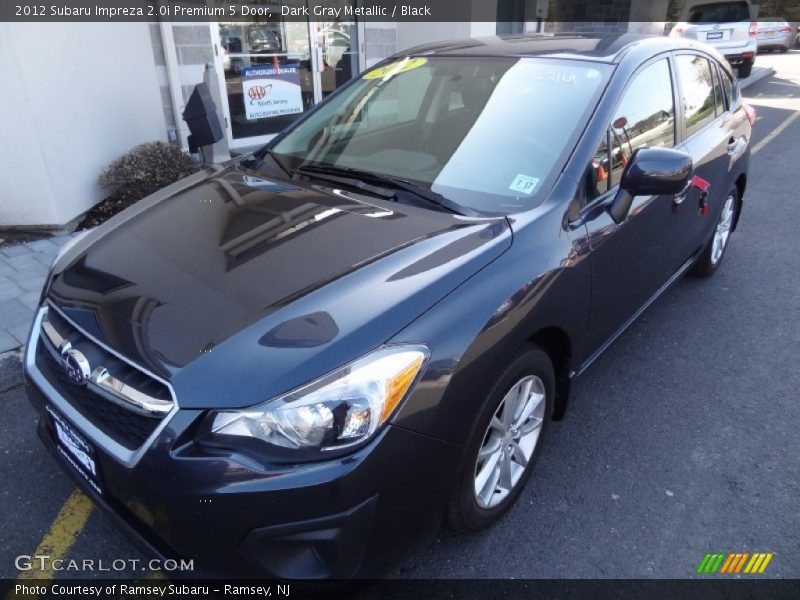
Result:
{"points": [[774, 34], [729, 26]]}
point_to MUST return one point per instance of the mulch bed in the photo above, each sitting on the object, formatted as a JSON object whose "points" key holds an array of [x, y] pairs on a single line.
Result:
{"points": [[104, 211], [96, 216]]}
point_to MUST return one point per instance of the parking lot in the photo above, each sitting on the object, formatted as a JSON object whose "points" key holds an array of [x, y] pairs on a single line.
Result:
{"points": [[681, 439]]}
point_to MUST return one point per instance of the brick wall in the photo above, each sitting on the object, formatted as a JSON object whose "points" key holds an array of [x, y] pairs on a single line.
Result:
{"points": [[380, 41]]}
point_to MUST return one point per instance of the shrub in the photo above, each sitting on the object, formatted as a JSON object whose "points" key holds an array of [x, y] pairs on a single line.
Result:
{"points": [[138, 173], [145, 169]]}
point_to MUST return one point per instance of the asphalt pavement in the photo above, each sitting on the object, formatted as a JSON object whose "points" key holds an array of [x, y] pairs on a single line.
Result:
{"points": [[681, 439]]}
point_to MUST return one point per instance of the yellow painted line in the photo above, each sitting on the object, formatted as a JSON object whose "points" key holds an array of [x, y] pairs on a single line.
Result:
{"points": [[765, 563], [775, 132], [65, 529]]}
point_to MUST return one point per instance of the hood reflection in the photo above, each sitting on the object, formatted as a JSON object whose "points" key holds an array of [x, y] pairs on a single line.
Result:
{"points": [[175, 281]]}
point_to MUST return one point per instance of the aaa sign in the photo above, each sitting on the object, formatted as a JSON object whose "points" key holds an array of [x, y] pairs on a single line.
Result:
{"points": [[271, 91]]}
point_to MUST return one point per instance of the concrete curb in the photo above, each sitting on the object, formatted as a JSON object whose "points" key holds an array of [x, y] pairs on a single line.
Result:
{"points": [[757, 75]]}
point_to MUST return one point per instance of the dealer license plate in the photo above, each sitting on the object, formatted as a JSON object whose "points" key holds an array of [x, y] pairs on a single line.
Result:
{"points": [[76, 449], [714, 35]]}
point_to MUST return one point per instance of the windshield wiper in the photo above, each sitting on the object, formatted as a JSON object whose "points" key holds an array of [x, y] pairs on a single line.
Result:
{"points": [[387, 181]]}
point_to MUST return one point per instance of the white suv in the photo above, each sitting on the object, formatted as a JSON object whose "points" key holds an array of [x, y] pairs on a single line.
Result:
{"points": [[729, 26]]}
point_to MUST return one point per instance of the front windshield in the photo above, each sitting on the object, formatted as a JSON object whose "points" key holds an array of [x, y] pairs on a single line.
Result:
{"points": [[486, 133]]}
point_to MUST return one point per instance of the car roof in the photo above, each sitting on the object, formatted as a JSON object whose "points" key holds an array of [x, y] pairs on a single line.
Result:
{"points": [[607, 49]]}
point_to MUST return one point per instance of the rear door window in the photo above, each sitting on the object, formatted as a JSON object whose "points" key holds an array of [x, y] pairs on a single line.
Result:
{"points": [[697, 90]]}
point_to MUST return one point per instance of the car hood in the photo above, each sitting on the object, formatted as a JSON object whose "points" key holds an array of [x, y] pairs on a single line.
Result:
{"points": [[237, 287]]}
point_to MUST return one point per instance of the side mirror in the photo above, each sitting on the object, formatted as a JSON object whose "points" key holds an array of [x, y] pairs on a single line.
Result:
{"points": [[651, 172]]}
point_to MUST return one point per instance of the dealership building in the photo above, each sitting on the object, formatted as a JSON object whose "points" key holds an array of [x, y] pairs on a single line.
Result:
{"points": [[78, 95]]}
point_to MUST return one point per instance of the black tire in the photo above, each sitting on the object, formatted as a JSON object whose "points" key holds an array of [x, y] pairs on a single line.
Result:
{"points": [[705, 266], [744, 70], [463, 512], [784, 49]]}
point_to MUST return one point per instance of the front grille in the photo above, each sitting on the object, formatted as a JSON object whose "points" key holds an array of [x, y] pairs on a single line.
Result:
{"points": [[125, 423]]}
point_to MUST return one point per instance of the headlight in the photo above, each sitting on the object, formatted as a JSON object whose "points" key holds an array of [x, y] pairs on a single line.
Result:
{"points": [[339, 410]]}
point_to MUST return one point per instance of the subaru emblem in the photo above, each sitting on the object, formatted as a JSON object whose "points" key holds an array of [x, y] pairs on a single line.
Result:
{"points": [[75, 366]]}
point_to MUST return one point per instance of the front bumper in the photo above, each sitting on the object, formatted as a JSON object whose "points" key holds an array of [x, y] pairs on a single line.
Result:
{"points": [[349, 517]]}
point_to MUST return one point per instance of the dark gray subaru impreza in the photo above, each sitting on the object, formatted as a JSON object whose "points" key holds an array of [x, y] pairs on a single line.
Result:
{"points": [[294, 366]]}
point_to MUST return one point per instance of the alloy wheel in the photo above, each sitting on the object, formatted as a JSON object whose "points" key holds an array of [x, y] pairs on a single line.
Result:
{"points": [[723, 230], [509, 441]]}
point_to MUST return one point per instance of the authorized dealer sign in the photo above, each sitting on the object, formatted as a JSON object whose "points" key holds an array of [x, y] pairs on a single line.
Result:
{"points": [[166, 590]]}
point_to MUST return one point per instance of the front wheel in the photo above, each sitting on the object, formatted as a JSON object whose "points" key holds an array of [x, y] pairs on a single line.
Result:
{"points": [[505, 441], [711, 256]]}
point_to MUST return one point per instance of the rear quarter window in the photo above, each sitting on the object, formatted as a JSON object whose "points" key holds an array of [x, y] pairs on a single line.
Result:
{"points": [[719, 96], [731, 89]]}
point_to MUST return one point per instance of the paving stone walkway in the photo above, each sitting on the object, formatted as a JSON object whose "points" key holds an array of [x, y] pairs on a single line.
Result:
{"points": [[23, 269]]}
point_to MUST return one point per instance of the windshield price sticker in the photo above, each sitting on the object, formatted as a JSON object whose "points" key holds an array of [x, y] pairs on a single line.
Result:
{"points": [[395, 68]]}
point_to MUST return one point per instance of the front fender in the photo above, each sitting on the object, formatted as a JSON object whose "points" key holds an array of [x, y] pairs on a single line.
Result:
{"points": [[542, 281]]}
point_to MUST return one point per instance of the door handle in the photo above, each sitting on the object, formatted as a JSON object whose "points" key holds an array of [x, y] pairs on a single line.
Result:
{"points": [[679, 198]]}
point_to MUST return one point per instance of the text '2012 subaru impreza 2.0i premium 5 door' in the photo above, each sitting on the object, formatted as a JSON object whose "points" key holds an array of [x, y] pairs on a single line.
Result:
{"points": [[296, 365]]}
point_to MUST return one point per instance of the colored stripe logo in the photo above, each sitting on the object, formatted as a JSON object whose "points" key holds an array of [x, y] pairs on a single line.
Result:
{"points": [[734, 562]]}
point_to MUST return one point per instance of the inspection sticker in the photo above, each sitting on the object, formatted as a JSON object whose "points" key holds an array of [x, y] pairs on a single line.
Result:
{"points": [[524, 184]]}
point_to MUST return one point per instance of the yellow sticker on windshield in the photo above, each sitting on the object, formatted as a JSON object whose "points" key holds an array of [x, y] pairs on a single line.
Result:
{"points": [[400, 66]]}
